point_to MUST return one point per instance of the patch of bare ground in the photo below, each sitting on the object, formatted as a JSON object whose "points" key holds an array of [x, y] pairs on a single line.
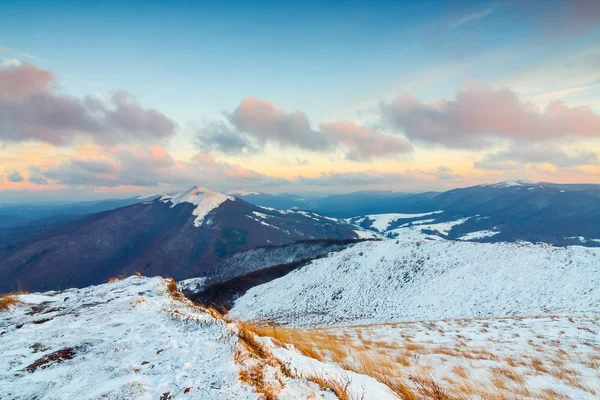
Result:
{"points": [[57, 357]]}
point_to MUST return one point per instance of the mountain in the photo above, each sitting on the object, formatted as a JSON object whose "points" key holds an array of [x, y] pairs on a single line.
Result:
{"points": [[26, 221], [348, 204], [179, 235], [17, 214], [429, 280], [559, 215]]}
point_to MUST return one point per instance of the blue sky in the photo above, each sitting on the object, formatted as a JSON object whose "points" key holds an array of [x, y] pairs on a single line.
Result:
{"points": [[333, 61]]}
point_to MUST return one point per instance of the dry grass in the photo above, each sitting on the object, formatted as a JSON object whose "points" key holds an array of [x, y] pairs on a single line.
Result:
{"points": [[8, 300], [508, 373], [338, 386], [460, 371], [173, 290], [254, 359], [406, 365]]}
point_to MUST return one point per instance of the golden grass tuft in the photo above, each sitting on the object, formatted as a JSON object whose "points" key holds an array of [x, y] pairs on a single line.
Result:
{"points": [[173, 290], [7, 301], [338, 386]]}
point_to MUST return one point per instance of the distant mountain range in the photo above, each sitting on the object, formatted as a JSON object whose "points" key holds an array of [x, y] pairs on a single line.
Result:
{"points": [[508, 211], [180, 236], [189, 234]]}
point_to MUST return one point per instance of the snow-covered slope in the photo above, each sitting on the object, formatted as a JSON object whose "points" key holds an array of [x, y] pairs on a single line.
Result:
{"points": [[395, 280], [122, 340], [205, 200], [131, 339]]}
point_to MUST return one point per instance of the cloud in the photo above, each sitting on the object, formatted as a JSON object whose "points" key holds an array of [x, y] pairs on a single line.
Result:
{"points": [[517, 156], [571, 17], [36, 176], [14, 176], [17, 52], [266, 123], [32, 110], [479, 115], [365, 144], [413, 178], [149, 167], [256, 123], [443, 173], [21, 79], [217, 136], [472, 17]]}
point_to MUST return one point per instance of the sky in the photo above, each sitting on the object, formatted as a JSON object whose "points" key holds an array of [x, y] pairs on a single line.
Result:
{"points": [[116, 99]]}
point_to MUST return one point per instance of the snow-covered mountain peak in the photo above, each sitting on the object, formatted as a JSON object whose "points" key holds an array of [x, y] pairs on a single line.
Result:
{"points": [[205, 200], [242, 193]]}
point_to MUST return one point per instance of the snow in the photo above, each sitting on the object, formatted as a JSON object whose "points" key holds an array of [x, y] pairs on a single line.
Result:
{"points": [[366, 234], [478, 235], [261, 215], [192, 284], [429, 280], [242, 193], [482, 349], [416, 231], [381, 222], [131, 344], [205, 200], [128, 339], [507, 184], [359, 385]]}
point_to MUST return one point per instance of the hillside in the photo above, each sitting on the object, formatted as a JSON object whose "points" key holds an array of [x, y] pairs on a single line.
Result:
{"points": [[557, 214], [429, 280], [180, 236], [135, 338]]}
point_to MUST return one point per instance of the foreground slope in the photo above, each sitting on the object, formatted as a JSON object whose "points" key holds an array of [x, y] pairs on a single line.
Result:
{"points": [[134, 338], [180, 236], [119, 340], [395, 280], [547, 358]]}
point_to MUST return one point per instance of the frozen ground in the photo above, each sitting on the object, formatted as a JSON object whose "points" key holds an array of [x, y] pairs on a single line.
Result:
{"points": [[507, 358], [129, 339], [395, 280]]}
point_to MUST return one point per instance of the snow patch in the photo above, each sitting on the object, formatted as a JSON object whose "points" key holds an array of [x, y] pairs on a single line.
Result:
{"points": [[478, 235], [381, 222], [205, 200]]}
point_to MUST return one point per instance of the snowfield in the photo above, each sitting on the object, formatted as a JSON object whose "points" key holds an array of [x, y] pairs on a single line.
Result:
{"points": [[396, 280], [124, 340], [205, 200], [381, 222]]}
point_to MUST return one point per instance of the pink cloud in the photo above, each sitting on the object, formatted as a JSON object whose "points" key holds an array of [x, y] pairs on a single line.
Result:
{"points": [[265, 122], [255, 123], [31, 110], [23, 79], [364, 144], [479, 114]]}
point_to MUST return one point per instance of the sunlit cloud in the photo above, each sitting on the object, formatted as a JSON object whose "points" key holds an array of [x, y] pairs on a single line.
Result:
{"points": [[517, 156], [32, 110], [479, 115], [256, 123]]}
